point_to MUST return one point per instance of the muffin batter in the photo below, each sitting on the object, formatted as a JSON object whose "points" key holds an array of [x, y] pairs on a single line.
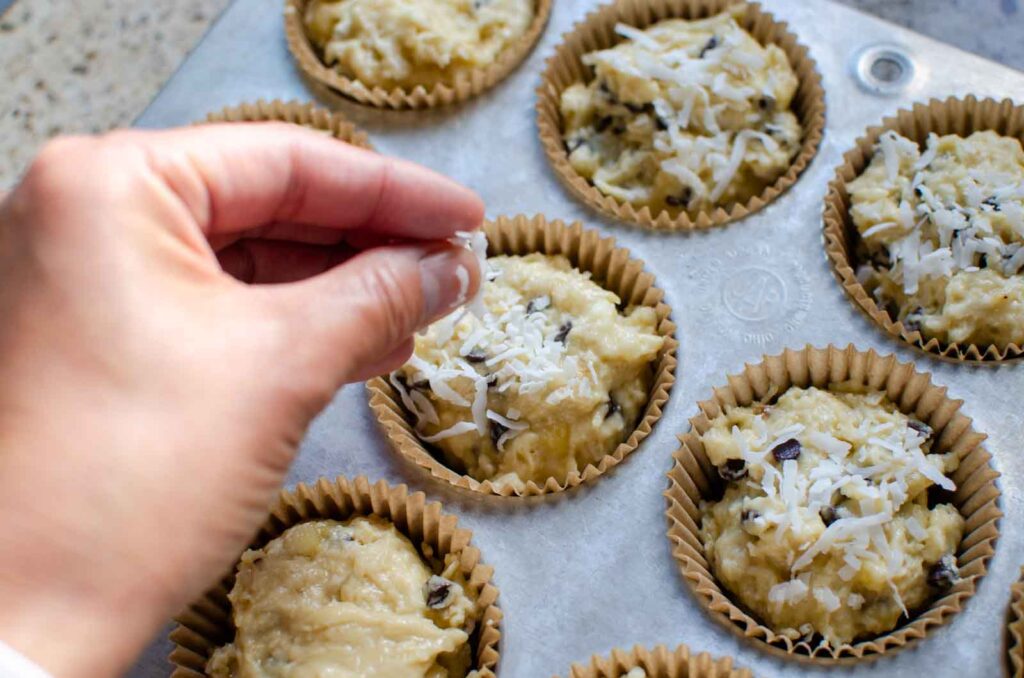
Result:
{"points": [[346, 599], [685, 115], [551, 378], [405, 43], [942, 235], [825, 528]]}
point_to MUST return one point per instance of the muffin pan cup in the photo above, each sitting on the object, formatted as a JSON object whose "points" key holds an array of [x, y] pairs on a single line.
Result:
{"points": [[465, 86], [693, 480], [950, 116], [296, 112], [612, 268], [658, 662], [597, 31], [206, 624]]}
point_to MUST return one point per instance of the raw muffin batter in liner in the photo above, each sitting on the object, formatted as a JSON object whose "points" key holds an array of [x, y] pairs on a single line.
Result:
{"points": [[349, 598], [406, 43], [825, 530], [548, 377], [942, 235], [683, 116]]}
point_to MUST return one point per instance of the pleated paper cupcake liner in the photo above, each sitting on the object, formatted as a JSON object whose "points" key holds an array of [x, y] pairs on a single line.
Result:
{"points": [[612, 268], [658, 662], [693, 479], [949, 116], [305, 114], [465, 85], [207, 625], [597, 31], [1015, 629]]}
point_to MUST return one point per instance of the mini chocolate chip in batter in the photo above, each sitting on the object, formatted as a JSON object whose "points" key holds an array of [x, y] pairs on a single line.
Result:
{"points": [[733, 469], [944, 573], [712, 43], [828, 515], [786, 450], [921, 427], [476, 356], [439, 592], [613, 407], [563, 332]]}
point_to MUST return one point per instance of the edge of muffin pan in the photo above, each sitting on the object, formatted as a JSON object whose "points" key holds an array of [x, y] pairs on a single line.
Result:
{"points": [[464, 86], [953, 115], [614, 269], [206, 624], [296, 112], [693, 480], [658, 661], [597, 31]]}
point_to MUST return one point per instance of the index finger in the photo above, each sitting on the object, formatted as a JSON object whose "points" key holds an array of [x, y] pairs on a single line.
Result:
{"points": [[236, 176]]}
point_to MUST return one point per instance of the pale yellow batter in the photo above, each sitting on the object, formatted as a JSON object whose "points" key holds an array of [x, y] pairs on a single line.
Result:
{"points": [[552, 378], [404, 43], [942, 235], [825, 530], [347, 600], [684, 115]]}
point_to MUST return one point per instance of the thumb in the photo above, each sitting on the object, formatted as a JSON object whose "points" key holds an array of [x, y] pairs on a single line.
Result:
{"points": [[364, 311]]}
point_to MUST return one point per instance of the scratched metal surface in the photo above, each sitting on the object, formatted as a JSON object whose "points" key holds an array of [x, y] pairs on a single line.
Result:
{"points": [[591, 569]]}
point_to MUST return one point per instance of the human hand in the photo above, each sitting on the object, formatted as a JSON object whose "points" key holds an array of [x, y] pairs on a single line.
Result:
{"points": [[151, 403]]}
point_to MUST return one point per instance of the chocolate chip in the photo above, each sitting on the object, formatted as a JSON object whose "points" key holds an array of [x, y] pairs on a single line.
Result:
{"points": [[749, 515], [660, 123], [492, 381], [563, 332], [918, 192], [636, 108], [603, 123], [944, 573], [476, 356], [613, 408], [708, 46], [921, 427], [573, 143], [881, 259], [983, 261], [681, 200], [828, 515], [766, 103], [993, 203], [497, 430], [913, 320], [939, 495], [538, 304], [772, 130], [786, 450], [439, 592], [733, 469]]}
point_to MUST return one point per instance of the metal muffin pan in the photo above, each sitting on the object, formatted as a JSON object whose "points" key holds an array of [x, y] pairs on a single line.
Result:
{"points": [[588, 570]]}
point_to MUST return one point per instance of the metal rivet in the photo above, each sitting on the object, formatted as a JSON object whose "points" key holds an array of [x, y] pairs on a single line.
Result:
{"points": [[883, 69]]}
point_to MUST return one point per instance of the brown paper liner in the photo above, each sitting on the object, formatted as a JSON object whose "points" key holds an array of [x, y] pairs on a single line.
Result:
{"points": [[613, 269], [693, 479], [597, 31], [1015, 629], [305, 114], [951, 116], [658, 662], [466, 85], [206, 624]]}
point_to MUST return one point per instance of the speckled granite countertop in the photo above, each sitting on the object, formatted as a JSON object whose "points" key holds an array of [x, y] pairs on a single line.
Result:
{"points": [[89, 65]]}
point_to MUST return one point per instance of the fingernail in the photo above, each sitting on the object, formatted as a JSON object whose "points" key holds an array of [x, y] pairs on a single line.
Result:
{"points": [[440, 281]]}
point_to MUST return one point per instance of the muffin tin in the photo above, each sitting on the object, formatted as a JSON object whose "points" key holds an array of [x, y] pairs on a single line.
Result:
{"points": [[588, 570]]}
